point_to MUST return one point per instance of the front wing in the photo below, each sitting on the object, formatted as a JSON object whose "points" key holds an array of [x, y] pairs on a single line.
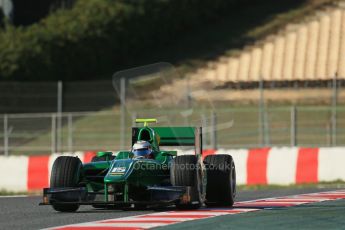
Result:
{"points": [[160, 196]]}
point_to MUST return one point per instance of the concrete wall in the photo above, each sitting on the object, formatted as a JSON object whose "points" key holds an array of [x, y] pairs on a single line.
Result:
{"points": [[282, 166]]}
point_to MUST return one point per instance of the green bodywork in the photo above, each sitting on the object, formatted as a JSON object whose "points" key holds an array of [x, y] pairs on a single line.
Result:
{"points": [[127, 178]]}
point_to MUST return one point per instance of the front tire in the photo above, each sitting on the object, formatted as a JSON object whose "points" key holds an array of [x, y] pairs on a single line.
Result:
{"points": [[184, 172], [221, 180], [65, 173]]}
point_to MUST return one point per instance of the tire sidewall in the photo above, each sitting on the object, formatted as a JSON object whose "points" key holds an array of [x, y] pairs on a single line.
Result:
{"points": [[201, 180]]}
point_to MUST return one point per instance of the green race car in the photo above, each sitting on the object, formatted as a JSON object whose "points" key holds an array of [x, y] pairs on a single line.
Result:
{"points": [[129, 180]]}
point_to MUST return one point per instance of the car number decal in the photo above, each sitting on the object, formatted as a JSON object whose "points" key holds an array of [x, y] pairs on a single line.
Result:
{"points": [[118, 170]]}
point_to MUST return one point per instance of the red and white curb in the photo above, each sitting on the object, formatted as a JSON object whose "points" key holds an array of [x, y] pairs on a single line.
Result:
{"points": [[153, 220], [31, 173], [286, 165], [159, 219], [281, 166]]}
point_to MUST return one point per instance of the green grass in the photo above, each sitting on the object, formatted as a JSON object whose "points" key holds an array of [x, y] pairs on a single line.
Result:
{"points": [[89, 131], [237, 127], [9, 193], [331, 185]]}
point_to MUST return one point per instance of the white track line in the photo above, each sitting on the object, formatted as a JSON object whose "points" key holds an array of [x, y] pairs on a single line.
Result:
{"points": [[14, 196], [118, 225]]}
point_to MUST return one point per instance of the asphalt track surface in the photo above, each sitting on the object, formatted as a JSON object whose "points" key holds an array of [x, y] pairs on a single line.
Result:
{"points": [[311, 216], [24, 212]]}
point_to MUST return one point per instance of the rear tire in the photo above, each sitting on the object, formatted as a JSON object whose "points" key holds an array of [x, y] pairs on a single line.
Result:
{"points": [[65, 173], [184, 172], [221, 180]]}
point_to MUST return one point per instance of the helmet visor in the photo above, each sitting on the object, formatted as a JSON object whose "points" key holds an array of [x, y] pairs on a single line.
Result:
{"points": [[141, 152]]}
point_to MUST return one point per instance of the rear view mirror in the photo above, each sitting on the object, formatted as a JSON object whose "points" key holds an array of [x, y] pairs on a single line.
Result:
{"points": [[107, 155]]}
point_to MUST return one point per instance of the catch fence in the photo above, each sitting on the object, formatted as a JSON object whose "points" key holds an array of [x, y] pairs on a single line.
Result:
{"points": [[222, 128]]}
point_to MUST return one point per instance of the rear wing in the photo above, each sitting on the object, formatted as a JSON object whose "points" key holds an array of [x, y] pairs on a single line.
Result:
{"points": [[176, 136]]}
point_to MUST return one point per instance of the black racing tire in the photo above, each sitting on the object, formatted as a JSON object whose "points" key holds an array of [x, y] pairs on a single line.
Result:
{"points": [[65, 173], [140, 207], [184, 172], [221, 180]]}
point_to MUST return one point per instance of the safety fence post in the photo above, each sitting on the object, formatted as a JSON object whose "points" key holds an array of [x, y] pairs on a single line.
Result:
{"points": [[70, 132], [293, 127], [213, 130], [6, 135], [204, 130], [123, 112], [53, 134], [334, 110]]}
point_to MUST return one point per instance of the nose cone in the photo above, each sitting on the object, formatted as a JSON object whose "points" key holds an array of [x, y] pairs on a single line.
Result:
{"points": [[119, 171], [137, 171]]}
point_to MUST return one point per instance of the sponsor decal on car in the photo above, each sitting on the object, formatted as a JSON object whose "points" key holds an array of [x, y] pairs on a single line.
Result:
{"points": [[118, 171]]}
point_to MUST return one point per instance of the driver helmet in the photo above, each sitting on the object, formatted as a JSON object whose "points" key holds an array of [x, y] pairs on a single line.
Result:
{"points": [[142, 149]]}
